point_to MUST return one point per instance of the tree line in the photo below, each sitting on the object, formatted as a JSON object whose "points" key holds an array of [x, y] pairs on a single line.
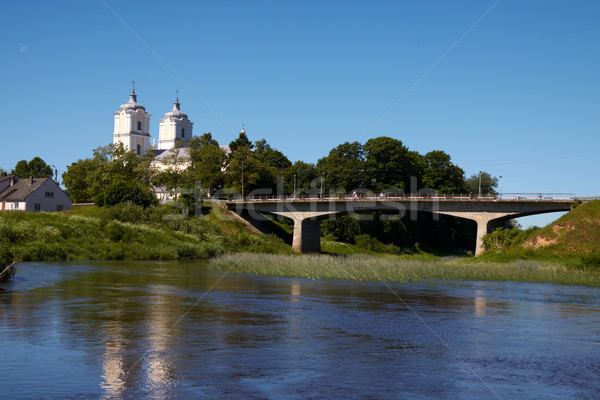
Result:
{"points": [[380, 164]]}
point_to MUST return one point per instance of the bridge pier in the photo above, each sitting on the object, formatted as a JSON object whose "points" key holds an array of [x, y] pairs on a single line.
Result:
{"points": [[307, 236]]}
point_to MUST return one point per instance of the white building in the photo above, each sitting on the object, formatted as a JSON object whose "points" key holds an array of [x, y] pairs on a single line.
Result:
{"points": [[132, 126], [174, 127], [33, 194]]}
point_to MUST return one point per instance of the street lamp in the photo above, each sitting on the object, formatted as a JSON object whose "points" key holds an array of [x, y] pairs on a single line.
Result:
{"points": [[480, 183], [242, 179], [322, 179], [294, 186]]}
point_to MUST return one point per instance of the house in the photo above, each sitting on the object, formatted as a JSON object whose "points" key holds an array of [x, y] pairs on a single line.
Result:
{"points": [[32, 194]]}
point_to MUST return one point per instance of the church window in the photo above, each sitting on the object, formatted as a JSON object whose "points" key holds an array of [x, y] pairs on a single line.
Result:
{"points": [[139, 150], [182, 133], [139, 125]]}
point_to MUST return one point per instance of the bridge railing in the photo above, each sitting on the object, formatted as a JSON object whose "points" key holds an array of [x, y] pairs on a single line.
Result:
{"points": [[414, 196]]}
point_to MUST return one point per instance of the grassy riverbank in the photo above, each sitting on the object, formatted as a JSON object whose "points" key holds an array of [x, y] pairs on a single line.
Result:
{"points": [[401, 269], [124, 232]]}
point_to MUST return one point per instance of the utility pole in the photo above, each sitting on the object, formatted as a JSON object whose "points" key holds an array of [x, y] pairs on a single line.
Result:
{"points": [[294, 186], [480, 183]]}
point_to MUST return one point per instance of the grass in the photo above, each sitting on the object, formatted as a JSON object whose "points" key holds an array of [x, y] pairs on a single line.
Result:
{"points": [[126, 232], [401, 269], [572, 240]]}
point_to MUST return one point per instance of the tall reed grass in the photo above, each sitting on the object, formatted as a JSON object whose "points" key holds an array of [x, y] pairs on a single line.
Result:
{"points": [[400, 269]]}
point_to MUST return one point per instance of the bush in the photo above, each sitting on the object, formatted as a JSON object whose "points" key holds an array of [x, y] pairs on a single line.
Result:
{"points": [[123, 192], [126, 212], [6, 257]]}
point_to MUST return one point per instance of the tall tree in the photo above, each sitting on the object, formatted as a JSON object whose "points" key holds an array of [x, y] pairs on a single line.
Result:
{"points": [[388, 164], [343, 168], [274, 165], [489, 183], [306, 179], [241, 141], [243, 171], [441, 174], [36, 168], [207, 162]]}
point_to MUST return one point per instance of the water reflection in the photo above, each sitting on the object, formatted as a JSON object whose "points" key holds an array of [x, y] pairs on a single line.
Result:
{"points": [[137, 330]]}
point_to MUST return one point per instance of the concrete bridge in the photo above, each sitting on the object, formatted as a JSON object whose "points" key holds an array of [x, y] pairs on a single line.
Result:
{"points": [[307, 213]]}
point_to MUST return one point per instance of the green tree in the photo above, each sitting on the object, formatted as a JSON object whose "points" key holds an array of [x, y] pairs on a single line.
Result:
{"points": [[128, 192], [489, 183], [306, 179], [207, 162], [87, 179], [36, 168], [243, 171], [344, 228], [241, 141], [441, 174], [273, 165], [81, 180], [388, 164], [344, 167]]}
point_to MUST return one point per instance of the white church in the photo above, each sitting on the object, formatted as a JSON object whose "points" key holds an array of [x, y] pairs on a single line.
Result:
{"points": [[132, 128]]}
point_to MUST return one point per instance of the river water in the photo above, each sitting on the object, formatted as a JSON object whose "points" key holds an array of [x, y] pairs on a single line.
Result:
{"points": [[166, 330]]}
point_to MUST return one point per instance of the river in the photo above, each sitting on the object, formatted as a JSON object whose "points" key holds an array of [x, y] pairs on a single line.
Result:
{"points": [[168, 330]]}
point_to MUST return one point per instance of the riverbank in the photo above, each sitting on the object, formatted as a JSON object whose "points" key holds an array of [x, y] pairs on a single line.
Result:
{"points": [[124, 232], [402, 269]]}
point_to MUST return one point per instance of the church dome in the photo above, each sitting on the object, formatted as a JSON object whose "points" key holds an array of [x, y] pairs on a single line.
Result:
{"points": [[176, 112], [132, 104]]}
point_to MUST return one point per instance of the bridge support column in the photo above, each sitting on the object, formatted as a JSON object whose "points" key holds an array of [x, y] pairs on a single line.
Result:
{"points": [[485, 221], [307, 236], [485, 225]]}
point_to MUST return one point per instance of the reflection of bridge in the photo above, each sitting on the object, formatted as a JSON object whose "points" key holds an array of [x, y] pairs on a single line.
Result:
{"points": [[487, 212]]}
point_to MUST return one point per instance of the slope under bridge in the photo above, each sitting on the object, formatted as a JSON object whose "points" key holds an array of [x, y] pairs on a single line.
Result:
{"points": [[307, 213]]}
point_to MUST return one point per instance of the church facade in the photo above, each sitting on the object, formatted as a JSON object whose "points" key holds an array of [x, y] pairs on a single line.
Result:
{"points": [[132, 127]]}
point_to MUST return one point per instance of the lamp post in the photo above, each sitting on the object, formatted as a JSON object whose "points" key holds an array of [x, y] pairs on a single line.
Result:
{"points": [[242, 179], [322, 179], [294, 186], [480, 183]]}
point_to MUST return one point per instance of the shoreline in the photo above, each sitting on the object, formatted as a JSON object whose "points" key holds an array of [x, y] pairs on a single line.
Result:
{"points": [[361, 268]]}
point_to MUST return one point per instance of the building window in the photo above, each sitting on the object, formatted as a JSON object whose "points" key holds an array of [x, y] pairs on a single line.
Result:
{"points": [[16, 205], [139, 125], [37, 207], [59, 207], [139, 150], [49, 194], [182, 133]]}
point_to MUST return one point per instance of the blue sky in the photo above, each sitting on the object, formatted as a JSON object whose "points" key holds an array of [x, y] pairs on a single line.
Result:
{"points": [[517, 96]]}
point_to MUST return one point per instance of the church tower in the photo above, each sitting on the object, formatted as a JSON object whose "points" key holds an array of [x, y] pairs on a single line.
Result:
{"points": [[132, 126], [174, 127]]}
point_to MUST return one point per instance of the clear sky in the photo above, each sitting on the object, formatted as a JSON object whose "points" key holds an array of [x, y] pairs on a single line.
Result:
{"points": [[509, 87]]}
